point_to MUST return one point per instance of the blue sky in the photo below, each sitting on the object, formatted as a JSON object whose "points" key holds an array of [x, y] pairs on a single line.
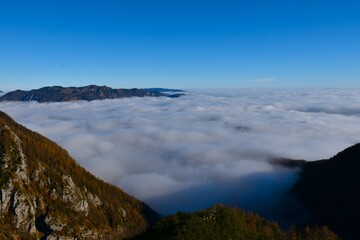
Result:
{"points": [[180, 44]]}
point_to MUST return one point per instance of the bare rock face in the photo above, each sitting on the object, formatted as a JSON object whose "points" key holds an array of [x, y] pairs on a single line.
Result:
{"points": [[54, 223], [21, 167], [93, 199], [5, 197], [72, 194], [24, 213], [13, 201], [45, 194]]}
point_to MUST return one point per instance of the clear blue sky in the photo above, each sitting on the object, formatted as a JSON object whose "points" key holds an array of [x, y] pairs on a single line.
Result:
{"points": [[182, 44]]}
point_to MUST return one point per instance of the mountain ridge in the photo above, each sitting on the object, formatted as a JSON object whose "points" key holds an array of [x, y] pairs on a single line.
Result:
{"points": [[45, 194], [329, 191], [87, 93]]}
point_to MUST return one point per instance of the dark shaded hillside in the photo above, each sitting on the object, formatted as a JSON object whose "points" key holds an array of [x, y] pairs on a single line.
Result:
{"points": [[330, 191], [219, 222], [45, 193], [88, 93]]}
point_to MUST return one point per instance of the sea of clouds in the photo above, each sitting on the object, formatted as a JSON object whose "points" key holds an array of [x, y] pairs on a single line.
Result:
{"points": [[207, 147]]}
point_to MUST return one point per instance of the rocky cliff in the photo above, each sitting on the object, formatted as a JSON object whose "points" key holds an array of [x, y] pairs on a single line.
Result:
{"points": [[44, 194]]}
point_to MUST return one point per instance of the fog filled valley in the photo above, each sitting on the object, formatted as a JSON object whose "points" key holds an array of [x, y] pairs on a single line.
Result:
{"points": [[208, 147]]}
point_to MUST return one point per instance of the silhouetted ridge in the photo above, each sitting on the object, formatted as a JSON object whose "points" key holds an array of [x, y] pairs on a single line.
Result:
{"points": [[330, 191]]}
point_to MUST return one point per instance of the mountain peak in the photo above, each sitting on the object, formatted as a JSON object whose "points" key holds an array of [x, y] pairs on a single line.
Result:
{"points": [[350, 154]]}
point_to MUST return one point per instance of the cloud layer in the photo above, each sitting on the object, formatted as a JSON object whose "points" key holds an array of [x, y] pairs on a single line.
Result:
{"points": [[207, 147]]}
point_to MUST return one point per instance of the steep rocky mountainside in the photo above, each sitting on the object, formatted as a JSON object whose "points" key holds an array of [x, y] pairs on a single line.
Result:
{"points": [[88, 93], [44, 194], [330, 191], [219, 222]]}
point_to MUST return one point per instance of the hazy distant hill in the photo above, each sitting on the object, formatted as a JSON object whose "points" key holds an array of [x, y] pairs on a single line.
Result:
{"points": [[89, 93], [330, 191], [44, 194], [165, 90], [172, 93]]}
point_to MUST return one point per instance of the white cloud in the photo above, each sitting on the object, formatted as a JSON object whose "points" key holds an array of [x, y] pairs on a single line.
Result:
{"points": [[262, 80], [203, 148]]}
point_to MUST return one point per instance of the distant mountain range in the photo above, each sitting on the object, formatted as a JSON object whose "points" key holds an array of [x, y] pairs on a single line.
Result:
{"points": [[165, 90], [45, 194], [88, 93]]}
